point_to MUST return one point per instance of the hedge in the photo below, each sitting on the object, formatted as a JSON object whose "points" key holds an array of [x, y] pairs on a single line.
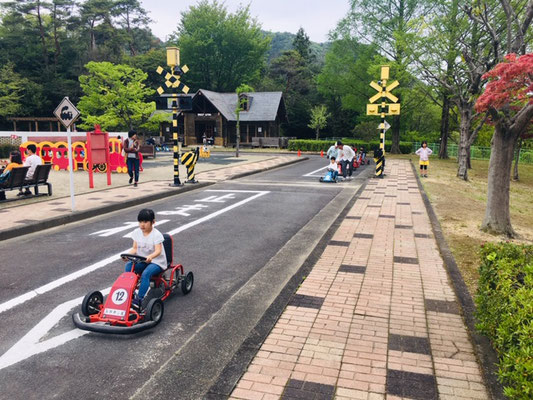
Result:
{"points": [[318, 145], [505, 309], [5, 149]]}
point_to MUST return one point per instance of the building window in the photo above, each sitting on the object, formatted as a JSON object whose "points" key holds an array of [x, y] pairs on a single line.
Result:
{"points": [[243, 101]]}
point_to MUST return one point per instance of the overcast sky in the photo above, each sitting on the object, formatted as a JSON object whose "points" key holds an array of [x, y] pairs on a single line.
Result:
{"points": [[316, 17]]}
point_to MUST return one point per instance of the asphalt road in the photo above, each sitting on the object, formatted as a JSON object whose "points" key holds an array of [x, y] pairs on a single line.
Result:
{"points": [[242, 239]]}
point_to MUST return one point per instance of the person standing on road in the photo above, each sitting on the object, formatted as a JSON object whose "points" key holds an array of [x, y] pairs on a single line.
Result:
{"points": [[32, 161], [424, 152], [332, 151], [131, 148], [345, 157]]}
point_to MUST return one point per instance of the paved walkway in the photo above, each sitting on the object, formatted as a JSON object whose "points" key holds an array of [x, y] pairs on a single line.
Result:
{"points": [[376, 318], [22, 219]]}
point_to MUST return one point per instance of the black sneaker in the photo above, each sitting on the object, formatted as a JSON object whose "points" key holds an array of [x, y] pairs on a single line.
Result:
{"points": [[135, 184], [130, 181], [136, 303]]}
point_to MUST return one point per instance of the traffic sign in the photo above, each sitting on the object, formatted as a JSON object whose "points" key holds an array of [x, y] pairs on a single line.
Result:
{"points": [[66, 112], [384, 125]]}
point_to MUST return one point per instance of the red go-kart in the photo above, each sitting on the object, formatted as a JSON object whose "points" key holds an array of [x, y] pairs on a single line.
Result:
{"points": [[117, 314]]}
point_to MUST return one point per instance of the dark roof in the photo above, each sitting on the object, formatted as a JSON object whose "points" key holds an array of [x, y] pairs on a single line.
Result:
{"points": [[263, 106]]}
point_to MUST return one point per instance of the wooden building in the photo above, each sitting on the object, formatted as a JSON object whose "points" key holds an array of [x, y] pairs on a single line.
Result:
{"points": [[213, 115]]}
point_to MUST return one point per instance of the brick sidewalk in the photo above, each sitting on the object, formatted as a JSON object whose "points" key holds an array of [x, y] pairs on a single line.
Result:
{"points": [[376, 318]]}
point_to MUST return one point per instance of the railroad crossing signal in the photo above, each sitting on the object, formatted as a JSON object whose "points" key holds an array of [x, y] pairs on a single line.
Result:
{"points": [[172, 82], [382, 109]]}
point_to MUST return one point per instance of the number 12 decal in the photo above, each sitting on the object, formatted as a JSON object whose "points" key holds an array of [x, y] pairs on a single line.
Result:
{"points": [[119, 296]]}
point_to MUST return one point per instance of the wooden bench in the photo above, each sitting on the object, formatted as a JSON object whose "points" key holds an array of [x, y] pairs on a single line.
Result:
{"points": [[14, 181], [265, 142], [40, 178], [147, 150]]}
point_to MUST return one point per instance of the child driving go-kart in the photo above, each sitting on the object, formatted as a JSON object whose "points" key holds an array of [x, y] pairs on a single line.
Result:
{"points": [[150, 275], [148, 243]]}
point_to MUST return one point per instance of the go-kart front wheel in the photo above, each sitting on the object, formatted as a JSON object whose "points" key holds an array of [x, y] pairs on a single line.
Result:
{"points": [[155, 310], [91, 303], [187, 282]]}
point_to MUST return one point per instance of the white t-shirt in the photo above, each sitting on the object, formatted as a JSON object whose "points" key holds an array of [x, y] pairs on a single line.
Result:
{"points": [[424, 153], [146, 246], [332, 167], [32, 162], [346, 154]]}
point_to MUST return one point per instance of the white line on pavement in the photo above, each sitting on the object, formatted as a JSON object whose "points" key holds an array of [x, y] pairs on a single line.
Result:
{"points": [[311, 173]]}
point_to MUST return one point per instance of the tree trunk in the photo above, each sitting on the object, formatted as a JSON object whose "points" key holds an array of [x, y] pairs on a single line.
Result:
{"points": [[444, 128], [497, 214], [238, 137], [516, 160], [395, 147], [317, 133], [464, 143]]}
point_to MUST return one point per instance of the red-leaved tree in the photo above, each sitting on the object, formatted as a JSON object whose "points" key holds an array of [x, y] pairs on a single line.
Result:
{"points": [[508, 98]]}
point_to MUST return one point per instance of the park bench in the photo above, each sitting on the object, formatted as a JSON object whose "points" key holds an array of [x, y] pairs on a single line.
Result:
{"points": [[265, 142], [15, 181], [40, 178], [147, 150]]}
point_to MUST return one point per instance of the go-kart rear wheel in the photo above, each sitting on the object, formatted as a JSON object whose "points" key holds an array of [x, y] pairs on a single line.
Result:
{"points": [[91, 303], [187, 282], [155, 310]]}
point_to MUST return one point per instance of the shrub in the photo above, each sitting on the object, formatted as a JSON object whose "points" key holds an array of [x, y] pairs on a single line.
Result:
{"points": [[504, 309], [318, 145], [5, 149]]}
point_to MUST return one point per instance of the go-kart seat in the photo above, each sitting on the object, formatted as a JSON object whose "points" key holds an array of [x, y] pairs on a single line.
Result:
{"points": [[168, 245]]}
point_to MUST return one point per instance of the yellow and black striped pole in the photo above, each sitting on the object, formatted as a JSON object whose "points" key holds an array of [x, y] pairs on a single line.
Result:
{"points": [[189, 159], [172, 81]]}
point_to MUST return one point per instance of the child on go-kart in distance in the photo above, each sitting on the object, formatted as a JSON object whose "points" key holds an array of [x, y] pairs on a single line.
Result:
{"points": [[147, 242]]}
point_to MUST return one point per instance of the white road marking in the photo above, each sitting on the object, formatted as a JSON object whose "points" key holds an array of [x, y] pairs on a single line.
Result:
{"points": [[217, 199], [312, 173], [183, 210], [126, 226], [31, 344], [100, 264], [219, 212]]}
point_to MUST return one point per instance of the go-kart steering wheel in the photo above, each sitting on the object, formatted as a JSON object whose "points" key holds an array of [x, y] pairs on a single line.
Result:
{"points": [[134, 258]]}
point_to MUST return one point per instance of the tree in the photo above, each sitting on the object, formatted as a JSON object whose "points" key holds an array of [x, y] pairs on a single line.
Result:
{"points": [[12, 87], [319, 119], [241, 101], [302, 45], [508, 100], [389, 25], [114, 97], [292, 75], [221, 49]]}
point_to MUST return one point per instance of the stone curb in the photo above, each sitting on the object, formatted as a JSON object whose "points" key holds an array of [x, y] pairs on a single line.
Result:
{"points": [[484, 352]]}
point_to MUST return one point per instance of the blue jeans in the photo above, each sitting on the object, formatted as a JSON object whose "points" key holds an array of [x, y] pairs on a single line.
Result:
{"points": [[133, 166], [146, 271]]}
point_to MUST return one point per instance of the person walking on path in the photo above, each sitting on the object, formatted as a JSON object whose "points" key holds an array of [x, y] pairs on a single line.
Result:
{"points": [[424, 152], [345, 156], [131, 148]]}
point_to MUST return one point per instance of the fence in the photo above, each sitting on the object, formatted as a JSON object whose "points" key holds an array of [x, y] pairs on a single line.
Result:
{"points": [[476, 152]]}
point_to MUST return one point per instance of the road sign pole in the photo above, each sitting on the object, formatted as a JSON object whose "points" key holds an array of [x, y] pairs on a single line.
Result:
{"points": [[71, 170]]}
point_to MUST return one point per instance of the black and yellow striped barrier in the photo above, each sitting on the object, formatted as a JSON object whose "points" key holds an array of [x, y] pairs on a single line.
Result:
{"points": [[189, 159], [379, 159]]}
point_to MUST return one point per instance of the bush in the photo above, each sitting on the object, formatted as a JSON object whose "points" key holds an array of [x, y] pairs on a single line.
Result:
{"points": [[504, 309], [318, 145], [5, 149]]}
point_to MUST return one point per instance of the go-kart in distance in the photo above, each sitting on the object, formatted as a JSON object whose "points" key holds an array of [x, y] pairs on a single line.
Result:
{"points": [[116, 313]]}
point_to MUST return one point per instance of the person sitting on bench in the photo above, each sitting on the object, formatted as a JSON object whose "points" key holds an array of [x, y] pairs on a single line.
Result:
{"points": [[15, 160], [32, 161]]}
